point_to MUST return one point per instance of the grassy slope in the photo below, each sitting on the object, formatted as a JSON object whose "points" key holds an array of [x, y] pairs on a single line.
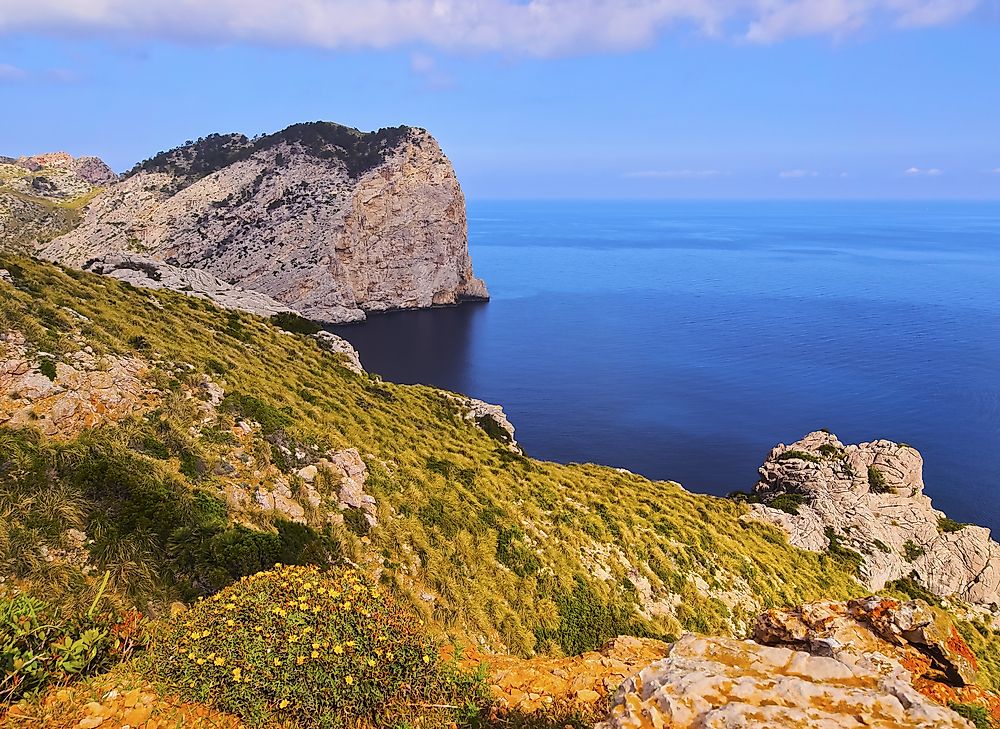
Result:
{"points": [[499, 540]]}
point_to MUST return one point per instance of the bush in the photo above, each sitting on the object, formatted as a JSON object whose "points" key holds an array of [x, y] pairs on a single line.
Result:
{"points": [[978, 715], [876, 481], [39, 647], [799, 456], [789, 503], [947, 525], [912, 550], [310, 649], [48, 368], [294, 323]]}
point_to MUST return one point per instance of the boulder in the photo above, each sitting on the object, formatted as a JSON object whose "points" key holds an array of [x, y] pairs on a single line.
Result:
{"points": [[721, 683], [871, 498]]}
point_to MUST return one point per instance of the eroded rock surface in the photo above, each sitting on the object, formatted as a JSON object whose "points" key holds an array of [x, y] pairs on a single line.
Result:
{"points": [[326, 220], [870, 498], [491, 418], [62, 397], [720, 683], [152, 274]]}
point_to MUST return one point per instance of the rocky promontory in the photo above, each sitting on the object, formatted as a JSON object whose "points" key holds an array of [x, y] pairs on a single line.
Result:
{"points": [[869, 498], [325, 220]]}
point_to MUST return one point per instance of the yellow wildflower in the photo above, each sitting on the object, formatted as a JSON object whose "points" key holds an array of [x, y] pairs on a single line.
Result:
{"points": [[277, 661], [220, 661], [230, 623], [293, 639], [300, 660], [338, 649], [201, 661], [371, 663], [427, 659], [191, 656], [283, 704], [349, 680], [315, 654]]}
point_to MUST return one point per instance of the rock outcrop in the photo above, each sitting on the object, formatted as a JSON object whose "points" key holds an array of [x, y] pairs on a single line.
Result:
{"points": [[329, 221], [489, 417], [869, 498], [152, 274], [721, 683], [62, 397], [40, 196]]}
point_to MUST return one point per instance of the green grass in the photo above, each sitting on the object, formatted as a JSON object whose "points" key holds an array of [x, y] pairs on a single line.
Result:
{"points": [[507, 544], [877, 482]]}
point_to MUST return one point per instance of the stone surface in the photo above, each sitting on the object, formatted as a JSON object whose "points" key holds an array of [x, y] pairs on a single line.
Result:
{"points": [[338, 345], [86, 391], [720, 683], [489, 417], [144, 271], [328, 221], [919, 638], [531, 685], [870, 496]]}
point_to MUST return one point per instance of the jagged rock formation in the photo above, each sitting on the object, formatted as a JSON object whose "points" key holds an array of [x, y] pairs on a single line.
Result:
{"points": [[63, 397], [491, 418], [41, 196], [869, 498], [721, 683], [326, 220], [149, 273]]}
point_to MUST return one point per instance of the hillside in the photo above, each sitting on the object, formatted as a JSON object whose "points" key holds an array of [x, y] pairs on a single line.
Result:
{"points": [[319, 218], [156, 449], [41, 196]]}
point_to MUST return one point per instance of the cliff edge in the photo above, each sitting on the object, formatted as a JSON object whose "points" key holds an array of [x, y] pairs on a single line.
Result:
{"points": [[326, 220]]}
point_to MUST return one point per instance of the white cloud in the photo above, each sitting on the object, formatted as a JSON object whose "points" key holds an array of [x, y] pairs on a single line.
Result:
{"points": [[527, 27], [425, 67], [797, 174], [12, 73], [918, 172], [673, 174]]}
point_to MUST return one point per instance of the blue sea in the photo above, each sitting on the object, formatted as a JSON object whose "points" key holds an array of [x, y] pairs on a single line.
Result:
{"points": [[683, 340]]}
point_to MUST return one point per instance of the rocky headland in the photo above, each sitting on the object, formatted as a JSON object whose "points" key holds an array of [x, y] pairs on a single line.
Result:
{"points": [[319, 219], [869, 499]]}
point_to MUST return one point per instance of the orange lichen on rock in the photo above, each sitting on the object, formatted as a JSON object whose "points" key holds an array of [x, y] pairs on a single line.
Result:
{"points": [[114, 703], [581, 682]]}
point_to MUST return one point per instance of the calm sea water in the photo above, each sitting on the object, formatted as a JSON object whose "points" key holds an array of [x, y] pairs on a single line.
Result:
{"points": [[683, 340]]}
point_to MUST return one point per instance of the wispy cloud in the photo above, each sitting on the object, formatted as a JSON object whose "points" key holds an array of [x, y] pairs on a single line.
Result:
{"points": [[918, 172], [797, 174], [532, 27], [673, 174], [996, 170], [12, 73], [426, 68]]}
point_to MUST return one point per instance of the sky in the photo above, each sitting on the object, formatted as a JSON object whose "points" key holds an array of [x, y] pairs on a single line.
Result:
{"points": [[859, 99]]}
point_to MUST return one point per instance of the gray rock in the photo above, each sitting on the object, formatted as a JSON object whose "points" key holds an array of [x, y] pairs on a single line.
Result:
{"points": [[338, 345], [308, 227], [871, 497]]}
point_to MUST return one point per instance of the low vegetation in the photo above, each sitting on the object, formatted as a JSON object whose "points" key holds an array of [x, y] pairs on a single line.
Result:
{"points": [[313, 648]]}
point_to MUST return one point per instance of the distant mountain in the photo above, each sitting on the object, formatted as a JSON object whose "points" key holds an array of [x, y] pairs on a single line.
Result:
{"points": [[41, 196], [319, 218]]}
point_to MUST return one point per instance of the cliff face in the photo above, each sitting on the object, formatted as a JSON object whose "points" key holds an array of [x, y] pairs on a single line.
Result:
{"points": [[41, 196], [869, 498], [325, 220]]}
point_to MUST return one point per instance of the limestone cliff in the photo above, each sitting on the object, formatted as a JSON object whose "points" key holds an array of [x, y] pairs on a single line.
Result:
{"points": [[869, 498], [41, 196], [326, 220]]}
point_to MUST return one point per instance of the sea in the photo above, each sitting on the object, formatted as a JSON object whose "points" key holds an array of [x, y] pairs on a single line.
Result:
{"points": [[682, 340]]}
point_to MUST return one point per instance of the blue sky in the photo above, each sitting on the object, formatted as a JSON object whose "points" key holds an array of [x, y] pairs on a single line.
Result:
{"points": [[592, 99]]}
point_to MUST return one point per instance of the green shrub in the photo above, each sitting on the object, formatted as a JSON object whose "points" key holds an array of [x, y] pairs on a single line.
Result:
{"points": [[294, 323], [977, 714], [947, 525], [912, 550], [271, 419], [589, 618], [308, 648], [799, 456], [877, 482], [788, 503], [838, 551], [48, 368], [40, 647], [829, 450]]}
